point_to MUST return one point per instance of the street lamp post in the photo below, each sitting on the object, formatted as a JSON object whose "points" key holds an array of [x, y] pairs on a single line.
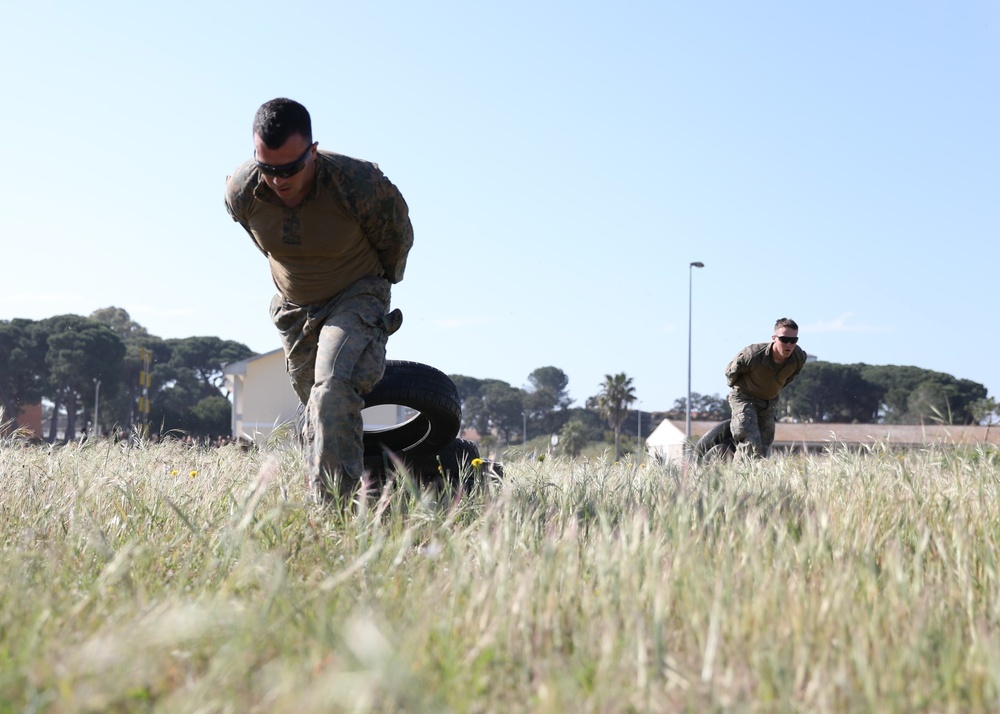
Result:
{"points": [[687, 422], [97, 394], [638, 431]]}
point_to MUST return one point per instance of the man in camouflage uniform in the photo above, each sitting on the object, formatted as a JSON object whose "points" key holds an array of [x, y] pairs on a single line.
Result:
{"points": [[756, 376], [336, 233]]}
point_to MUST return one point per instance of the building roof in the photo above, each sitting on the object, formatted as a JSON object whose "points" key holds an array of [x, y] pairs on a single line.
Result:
{"points": [[241, 366], [897, 434]]}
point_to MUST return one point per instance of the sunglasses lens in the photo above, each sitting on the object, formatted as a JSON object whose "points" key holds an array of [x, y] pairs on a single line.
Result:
{"points": [[285, 170]]}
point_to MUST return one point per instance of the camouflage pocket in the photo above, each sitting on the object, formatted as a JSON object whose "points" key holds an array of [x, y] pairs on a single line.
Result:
{"points": [[371, 364]]}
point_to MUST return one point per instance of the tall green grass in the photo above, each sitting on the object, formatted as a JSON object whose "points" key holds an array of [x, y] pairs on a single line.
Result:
{"points": [[163, 578]]}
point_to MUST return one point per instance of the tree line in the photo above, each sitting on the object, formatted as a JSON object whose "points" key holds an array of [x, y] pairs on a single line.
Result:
{"points": [[68, 360], [884, 394], [74, 363], [500, 412], [822, 392], [865, 394]]}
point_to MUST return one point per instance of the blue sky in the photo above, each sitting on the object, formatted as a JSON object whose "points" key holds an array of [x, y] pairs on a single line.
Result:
{"points": [[564, 163]]}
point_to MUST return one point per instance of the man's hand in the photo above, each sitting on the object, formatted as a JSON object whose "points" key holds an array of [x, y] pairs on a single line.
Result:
{"points": [[392, 320]]}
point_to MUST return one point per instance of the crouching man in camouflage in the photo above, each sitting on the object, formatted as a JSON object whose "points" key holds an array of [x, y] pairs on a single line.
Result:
{"points": [[336, 233], [756, 376]]}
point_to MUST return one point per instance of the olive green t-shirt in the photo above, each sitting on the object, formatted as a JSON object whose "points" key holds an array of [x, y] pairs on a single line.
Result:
{"points": [[755, 372], [352, 224]]}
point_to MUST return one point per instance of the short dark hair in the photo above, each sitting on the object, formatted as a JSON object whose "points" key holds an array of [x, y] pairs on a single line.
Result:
{"points": [[786, 322], [279, 119]]}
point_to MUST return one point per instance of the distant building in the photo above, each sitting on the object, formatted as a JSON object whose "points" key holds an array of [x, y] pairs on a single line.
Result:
{"points": [[667, 440], [28, 421]]}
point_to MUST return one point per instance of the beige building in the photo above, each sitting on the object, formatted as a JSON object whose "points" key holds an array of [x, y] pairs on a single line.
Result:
{"points": [[264, 401]]}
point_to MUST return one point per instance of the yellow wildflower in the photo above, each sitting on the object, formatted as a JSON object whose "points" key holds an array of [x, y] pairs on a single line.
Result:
{"points": [[477, 463], [193, 473], [174, 472]]}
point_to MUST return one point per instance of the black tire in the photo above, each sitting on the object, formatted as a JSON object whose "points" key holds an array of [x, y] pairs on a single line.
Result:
{"points": [[428, 391], [453, 464], [716, 443]]}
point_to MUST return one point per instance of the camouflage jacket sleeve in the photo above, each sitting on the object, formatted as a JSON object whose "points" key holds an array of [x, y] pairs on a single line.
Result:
{"points": [[737, 366], [239, 192], [380, 209]]}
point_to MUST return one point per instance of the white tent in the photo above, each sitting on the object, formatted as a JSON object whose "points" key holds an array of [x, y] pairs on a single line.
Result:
{"points": [[666, 442]]}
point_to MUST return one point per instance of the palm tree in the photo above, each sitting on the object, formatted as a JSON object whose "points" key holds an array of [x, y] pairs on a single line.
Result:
{"points": [[616, 394]]}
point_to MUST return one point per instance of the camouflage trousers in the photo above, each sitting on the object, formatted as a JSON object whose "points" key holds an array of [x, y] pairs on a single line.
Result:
{"points": [[335, 353], [752, 423]]}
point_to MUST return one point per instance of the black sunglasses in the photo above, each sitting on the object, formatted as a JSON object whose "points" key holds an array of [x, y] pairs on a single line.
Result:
{"points": [[285, 170], [787, 340]]}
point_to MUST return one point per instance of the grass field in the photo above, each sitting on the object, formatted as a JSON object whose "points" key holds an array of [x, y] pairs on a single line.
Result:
{"points": [[172, 579]]}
